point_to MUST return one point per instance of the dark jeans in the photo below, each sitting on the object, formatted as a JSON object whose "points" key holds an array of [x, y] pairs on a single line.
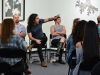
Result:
{"points": [[39, 46], [55, 42]]}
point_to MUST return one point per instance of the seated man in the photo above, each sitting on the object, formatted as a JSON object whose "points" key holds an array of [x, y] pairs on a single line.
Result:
{"points": [[9, 40], [19, 28], [35, 33], [57, 32]]}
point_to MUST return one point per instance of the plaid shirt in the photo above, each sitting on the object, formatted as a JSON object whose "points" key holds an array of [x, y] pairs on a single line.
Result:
{"points": [[14, 42]]}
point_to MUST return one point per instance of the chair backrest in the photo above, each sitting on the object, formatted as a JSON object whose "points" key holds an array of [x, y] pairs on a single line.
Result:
{"points": [[5, 67], [96, 69], [50, 36], [87, 66], [72, 59], [73, 53], [13, 53]]}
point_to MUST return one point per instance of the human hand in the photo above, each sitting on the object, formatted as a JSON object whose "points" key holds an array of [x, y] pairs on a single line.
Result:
{"points": [[57, 32], [57, 16], [38, 41]]}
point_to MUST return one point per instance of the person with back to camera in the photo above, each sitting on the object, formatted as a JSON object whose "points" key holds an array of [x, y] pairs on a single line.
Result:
{"points": [[87, 50], [69, 43], [76, 36], [10, 40]]}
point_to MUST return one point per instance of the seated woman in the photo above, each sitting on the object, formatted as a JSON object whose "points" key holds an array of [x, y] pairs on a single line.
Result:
{"points": [[69, 43], [76, 36], [88, 49], [57, 32], [9, 40]]}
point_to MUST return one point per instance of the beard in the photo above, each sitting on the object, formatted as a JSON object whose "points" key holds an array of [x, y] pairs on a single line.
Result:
{"points": [[17, 21]]}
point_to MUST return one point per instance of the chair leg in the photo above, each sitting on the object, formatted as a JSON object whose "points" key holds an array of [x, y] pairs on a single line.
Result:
{"points": [[69, 71], [45, 53], [29, 55], [49, 55], [65, 55], [25, 74]]}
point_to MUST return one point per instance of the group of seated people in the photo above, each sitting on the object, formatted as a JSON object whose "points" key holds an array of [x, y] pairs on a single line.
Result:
{"points": [[12, 35], [84, 39]]}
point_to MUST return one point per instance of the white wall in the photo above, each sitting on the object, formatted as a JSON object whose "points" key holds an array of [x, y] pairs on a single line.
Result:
{"points": [[50, 8]]}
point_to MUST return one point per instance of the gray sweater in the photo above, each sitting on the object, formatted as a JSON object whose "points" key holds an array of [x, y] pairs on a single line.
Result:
{"points": [[79, 55]]}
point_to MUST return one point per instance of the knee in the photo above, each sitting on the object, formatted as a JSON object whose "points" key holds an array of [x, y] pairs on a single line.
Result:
{"points": [[63, 39]]}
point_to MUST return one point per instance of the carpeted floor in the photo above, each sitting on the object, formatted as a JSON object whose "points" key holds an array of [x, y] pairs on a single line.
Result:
{"points": [[52, 69]]}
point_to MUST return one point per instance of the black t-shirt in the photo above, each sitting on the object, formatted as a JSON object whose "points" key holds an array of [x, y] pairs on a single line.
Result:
{"points": [[36, 31]]}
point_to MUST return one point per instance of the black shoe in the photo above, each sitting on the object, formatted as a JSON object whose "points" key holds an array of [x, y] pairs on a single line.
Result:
{"points": [[61, 62], [57, 54]]}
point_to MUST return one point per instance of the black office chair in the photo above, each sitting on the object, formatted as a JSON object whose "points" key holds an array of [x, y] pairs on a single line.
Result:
{"points": [[53, 50], [72, 61], [35, 52], [5, 67], [13, 53], [96, 69], [87, 66]]}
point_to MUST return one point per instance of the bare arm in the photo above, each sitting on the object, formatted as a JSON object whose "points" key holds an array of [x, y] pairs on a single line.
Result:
{"points": [[78, 45], [51, 19], [63, 31], [30, 37], [52, 31], [21, 34], [34, 39]]}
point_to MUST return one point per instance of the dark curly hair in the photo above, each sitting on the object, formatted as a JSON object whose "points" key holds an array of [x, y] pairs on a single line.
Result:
{"points": [[31, 20], [77, 35]]}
